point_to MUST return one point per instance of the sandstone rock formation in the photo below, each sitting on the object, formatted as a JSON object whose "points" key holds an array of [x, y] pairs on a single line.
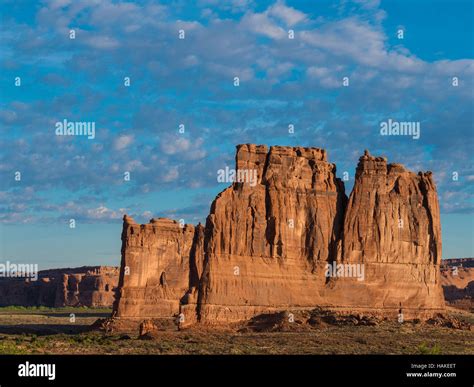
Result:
{"points": [[392, 226], [91, 286], [267, 244], [159, 264], [457, 279]]}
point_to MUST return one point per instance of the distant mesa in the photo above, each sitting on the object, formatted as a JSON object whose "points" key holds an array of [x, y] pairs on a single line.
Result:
{"points": [[266, 247], [91, 286], [457, 278]]}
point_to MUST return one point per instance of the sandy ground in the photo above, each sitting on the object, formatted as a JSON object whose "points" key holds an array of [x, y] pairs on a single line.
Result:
{"points": [[66, 331]]}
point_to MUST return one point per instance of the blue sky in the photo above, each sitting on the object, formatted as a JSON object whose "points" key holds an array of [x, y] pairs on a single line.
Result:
{"points": [[190, 81]]}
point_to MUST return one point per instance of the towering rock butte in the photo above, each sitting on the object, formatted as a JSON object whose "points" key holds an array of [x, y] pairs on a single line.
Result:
{"points": [[267, 243], [392, 226], [158, 267]]}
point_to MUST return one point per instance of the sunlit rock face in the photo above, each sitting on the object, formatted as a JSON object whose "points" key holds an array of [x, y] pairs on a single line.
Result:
{"points": [[157, 268], [392, 227], [266, 246]]}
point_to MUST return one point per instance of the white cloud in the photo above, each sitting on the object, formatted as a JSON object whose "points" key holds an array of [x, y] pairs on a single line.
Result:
{"points": [[102, 213], [260, 23], [102, 42], [177, 145], [171, 174], [135, 165], [368, 4], [123, 142], [325, 76], [183, 147], [55, 4], [289, 15]]}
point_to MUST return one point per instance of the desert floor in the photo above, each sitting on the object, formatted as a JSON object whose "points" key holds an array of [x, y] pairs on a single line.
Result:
{"points": [[52, 331]]}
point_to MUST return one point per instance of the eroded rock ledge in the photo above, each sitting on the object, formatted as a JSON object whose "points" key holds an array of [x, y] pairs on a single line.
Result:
{"points": [[91, 286], [265, 246]]}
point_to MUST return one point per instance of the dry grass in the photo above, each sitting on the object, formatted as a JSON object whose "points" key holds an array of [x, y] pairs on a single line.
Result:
{"points": [[51, 332]]}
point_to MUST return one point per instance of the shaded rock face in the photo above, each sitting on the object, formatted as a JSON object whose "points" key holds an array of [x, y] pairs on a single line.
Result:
{"points": [[392, 227], [157, 267], [91, 286], [271, 235]]}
